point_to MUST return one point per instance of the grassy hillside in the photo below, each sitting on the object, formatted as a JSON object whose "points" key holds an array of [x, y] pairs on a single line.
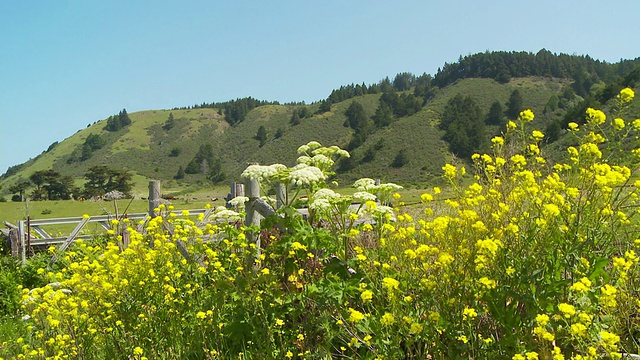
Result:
{"points": [[145, 148]]}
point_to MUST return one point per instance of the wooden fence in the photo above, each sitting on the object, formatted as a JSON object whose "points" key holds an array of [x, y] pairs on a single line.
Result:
{"points": [[21, 237], [29, 233]]}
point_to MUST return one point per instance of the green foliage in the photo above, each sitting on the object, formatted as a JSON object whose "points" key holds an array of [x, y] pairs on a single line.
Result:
{"points": [[502, 66], [383, 116], [401, 159], [200, 163], [53, 145], [101, 180], [117, 122], [403, 104], [236, 111], [295, 118], [514, 105], [404, 81], [180, 174], [170, 123], [463, 123], [175, 152], [215, 173], [279, 133], [50, 185], [496, 115], [92, 143], [20, 188], [525, 261], [261, 135], [13, 276]]}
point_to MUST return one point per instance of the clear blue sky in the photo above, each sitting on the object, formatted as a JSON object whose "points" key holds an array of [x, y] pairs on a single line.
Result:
{"points": [[65, 64]]}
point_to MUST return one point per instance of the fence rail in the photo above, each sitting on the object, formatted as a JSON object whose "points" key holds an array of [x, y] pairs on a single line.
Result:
{"points": [[21, 236]]}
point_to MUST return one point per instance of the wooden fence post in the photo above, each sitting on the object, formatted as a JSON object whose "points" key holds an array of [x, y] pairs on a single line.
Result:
{"points": [[15, 242], [154, 196], [252, 188], [22, 243], [231, 195]]}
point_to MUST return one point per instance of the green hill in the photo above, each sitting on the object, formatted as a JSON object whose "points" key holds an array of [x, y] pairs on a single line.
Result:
{"points": [[153, 147]]}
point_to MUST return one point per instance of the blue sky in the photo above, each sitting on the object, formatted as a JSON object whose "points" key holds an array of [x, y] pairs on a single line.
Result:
{"points": [[65, 64]]}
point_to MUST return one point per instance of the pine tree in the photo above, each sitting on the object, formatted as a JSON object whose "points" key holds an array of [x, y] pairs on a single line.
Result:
{"points": [[295, 118], [514, 105], [180, 174], [261, 135], [170, 123], [495, 115]]}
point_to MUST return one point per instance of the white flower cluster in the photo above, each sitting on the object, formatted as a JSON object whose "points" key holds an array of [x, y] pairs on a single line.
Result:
{"points": [[364, 184], [113, 195], [303, 174], [322, 199], [238, 201], [325, 194], [262, 173], [314, 154], [320, 205], [363, 196], [388, 187], [382, 191], [224, 214]]}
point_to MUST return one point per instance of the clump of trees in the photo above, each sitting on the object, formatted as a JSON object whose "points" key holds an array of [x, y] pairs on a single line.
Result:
{"points": [[102, 179], [358, 120], [92, 143], [45, 185], [51, 185], [117, 122], [207, 163], [261, 135], [170, 123], [463, 124]]}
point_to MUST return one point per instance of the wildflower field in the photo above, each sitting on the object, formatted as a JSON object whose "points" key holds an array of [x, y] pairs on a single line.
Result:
{"points": [[536, 259]]}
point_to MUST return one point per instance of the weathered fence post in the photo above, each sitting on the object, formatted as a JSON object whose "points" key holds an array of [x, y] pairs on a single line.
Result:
{"points": [[154, 196], [231, 195], [22, 242], [280, 195], [252, 188], [15, 242]]}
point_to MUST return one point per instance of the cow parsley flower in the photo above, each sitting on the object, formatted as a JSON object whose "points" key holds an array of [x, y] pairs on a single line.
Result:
{"points": [[302, 174], [364, 196], [238, 201]]}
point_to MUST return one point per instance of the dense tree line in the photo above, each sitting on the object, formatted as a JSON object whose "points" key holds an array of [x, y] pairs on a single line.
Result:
{"points": [[299, 114], [502, 66], [234, 111], [51, 185], [402, 82]]}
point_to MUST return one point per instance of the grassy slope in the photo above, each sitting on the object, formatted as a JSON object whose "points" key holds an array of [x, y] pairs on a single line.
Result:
{"points": [[143, 147]]}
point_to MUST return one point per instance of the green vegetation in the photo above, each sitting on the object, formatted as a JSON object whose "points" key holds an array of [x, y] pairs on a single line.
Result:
{"points": [[117, 122], [523, 257], [402, 112]]}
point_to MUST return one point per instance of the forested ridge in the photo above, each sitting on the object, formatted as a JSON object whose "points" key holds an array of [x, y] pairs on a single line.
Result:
{"points": [[458, 109]]}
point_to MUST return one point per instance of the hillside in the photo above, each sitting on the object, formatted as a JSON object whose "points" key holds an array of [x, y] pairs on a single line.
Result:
{"points": [[154, 147]]}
